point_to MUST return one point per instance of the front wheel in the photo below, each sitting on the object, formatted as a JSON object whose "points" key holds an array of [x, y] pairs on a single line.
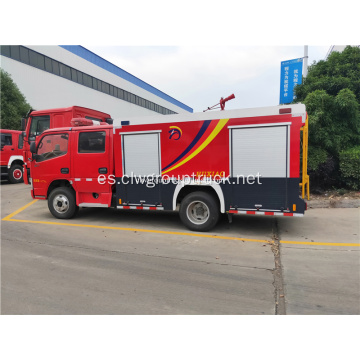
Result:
{"points": [[199, 211], [16, 174], [62, 203]]}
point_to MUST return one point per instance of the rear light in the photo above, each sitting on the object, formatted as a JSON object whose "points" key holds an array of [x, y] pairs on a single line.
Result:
{"points": [[285, 111]]}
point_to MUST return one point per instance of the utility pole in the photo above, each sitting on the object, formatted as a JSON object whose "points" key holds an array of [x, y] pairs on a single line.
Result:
{"points": [[305, 70]]}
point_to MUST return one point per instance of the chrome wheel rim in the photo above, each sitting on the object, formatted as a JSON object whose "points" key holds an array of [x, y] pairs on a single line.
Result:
{"points": [[198, 212], [61, 204]]}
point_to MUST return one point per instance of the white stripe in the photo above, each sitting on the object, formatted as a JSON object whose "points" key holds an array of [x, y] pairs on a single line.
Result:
{"points": [[88, 179], [93, 205], [77, 179]]}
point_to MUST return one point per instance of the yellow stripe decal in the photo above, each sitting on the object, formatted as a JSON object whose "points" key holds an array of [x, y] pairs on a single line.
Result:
{"points": [[218, 128]]}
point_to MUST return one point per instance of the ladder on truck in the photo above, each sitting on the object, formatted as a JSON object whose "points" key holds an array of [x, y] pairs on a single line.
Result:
{"points": [[305, 183]]}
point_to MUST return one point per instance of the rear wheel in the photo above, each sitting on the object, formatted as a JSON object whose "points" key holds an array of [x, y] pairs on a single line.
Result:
{"points": [[16, 174], [199, 211], [62, 203]]}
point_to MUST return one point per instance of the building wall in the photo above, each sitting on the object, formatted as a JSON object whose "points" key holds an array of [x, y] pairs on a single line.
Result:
{"points": [[43, 89]]}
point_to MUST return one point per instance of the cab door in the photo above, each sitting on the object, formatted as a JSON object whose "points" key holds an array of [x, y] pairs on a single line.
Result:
{"points": [[7, 148], [92, 158], [50, 162]]}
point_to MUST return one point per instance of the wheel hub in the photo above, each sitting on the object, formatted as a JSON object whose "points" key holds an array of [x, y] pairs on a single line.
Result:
{"points": [[198, 212], [17, 174], [61, 203]]}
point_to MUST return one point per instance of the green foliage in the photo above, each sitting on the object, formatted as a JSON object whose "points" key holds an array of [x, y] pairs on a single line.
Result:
{"points": [[317, 156], [13, 103], [331, 93], [350, 167]]}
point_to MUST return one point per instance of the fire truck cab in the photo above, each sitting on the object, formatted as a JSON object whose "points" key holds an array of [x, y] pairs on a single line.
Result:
{"points": [[236, 162], [12, 155], [36, 122]]}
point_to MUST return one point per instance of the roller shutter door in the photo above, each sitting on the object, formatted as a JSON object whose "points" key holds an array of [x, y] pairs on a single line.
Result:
{"points": [[141, 154], [260, 150]]}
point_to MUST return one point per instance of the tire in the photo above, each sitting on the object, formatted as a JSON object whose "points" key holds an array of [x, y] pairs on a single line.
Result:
{"points": [[199, 211], [16, 174], [62, 203]]}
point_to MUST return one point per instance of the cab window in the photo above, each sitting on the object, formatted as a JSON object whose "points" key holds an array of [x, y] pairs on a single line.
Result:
{"points": [[52, 146], [6, 139], [92, 142]]}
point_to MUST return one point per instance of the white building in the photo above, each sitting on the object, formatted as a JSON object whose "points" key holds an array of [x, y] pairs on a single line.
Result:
{"points": [[62, 76]]}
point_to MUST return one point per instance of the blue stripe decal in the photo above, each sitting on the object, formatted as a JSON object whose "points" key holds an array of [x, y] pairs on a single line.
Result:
{"points": [[106, 65], [201, 132]]}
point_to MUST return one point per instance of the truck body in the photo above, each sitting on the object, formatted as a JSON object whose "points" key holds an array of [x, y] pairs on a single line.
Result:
{"points": [[236, 162], [12, 160], [38, 121]]}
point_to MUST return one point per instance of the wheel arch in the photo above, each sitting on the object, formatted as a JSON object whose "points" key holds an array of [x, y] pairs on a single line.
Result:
{"points": [[15, 160], [58, 183], [213, 188]]}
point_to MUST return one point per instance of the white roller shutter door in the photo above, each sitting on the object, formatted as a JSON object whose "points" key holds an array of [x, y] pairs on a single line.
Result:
{"points": [[259, 150], [141, 154]]}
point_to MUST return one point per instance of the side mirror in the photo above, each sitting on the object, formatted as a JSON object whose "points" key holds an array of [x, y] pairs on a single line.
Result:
{"points": [[33, 147], [23, 124]]}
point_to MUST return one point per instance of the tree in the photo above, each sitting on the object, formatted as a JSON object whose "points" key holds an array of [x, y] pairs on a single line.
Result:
{"points": [[331, 93], [13, 103]]}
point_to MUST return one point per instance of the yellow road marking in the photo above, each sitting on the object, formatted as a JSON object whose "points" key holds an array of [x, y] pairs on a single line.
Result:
{"points": [[10, 218], [19, 210], [140, 230]]}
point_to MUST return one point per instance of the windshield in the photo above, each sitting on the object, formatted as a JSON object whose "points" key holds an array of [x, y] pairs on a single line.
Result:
{"points": [[38, 125]]}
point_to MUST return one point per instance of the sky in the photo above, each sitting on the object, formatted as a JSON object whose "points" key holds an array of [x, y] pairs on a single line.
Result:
{"points": [[199, 76]]}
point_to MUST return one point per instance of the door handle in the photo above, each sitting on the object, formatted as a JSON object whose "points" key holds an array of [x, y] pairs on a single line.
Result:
{"points": [[103, 170]]}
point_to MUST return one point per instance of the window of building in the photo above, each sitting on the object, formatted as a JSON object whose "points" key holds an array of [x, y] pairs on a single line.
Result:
{"points": [[87, 80], [37, 60], [55, 67], [15, 52], [24, 55], [105, 87], [73, 75], [48, 65], [5, 50], [79, 77]]}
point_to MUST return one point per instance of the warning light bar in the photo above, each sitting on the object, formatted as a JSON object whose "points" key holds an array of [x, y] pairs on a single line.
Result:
{"points": [[81, 122]]}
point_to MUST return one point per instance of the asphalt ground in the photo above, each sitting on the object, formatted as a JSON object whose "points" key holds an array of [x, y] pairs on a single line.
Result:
{"points": [[108, 261]]}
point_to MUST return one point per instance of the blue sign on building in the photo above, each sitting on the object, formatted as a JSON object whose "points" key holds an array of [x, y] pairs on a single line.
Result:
{"points": [[291, 75]]}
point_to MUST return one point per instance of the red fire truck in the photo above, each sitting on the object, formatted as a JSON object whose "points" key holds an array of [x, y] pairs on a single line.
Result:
{"points": [[36, 122], [12, 155], [236, 162]]}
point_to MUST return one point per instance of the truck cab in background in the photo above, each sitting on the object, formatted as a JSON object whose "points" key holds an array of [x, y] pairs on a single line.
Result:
{"points": [[36, 122], [12, 160]]}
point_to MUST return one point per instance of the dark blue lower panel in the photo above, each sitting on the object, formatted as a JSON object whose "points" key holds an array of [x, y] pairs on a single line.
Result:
{"points": [[273, 194]]}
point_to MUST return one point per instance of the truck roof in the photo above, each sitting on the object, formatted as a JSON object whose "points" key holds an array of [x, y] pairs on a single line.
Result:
{"points": [[6, 131], [78, 128], [296, 109], [70, 108]]}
